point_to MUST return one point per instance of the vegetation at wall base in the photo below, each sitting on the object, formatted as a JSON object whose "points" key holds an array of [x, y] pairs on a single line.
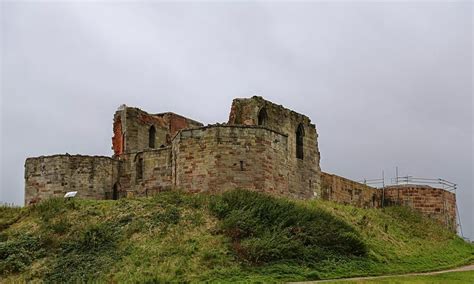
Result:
{"points": [[235, 236]]}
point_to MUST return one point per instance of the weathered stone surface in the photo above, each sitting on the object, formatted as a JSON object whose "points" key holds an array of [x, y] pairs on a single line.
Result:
{"points": [[346, 191], [224, 157], [435, 203], [132, 125], [263, 147], [156, 172], [304, 173], [92, 176]]}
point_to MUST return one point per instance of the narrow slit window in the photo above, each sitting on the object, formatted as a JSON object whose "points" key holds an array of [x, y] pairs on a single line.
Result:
{"points": [[151, 137], [139, 169], [115, 192], [262, 116], [299, 142]]}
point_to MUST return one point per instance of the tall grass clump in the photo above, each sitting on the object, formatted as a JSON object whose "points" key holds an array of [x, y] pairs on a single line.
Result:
{"points": [[49, 208], [265, 229]]}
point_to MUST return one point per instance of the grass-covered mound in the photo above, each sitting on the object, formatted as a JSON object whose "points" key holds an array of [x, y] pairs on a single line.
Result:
{"points": [[235, 236], [264, 230]]}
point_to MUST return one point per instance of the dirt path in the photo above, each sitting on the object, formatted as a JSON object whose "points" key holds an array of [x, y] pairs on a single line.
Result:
{"points": [[462, 268]]}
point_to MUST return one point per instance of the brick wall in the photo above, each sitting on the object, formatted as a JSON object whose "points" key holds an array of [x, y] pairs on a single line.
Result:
{"points": [[346, 191], [117, 139], [177, 122], [53, 176], [435, 203]]}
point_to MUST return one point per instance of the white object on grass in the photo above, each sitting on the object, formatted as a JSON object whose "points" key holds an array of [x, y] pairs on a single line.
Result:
{"points": [[70, 194]]}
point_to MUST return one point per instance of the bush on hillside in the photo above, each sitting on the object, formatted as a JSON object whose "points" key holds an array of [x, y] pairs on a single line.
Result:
{"points": [[17, 254], [83, 258], [266, 229]]}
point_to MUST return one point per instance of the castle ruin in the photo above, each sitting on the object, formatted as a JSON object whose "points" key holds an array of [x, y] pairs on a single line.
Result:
{"points": [[263, 147]]}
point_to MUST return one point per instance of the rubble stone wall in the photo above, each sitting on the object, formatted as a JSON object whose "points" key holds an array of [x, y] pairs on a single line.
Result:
{"points": [[91, 176]]}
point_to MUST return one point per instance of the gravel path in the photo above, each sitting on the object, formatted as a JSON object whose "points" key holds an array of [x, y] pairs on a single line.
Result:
{"points": [[462, 268]]}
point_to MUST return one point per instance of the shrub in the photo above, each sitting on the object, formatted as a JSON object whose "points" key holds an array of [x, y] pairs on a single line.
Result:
{"points": [[18, 254], [98, 237], [169, 216], [266, 229], [60, 226], [90, 254]]}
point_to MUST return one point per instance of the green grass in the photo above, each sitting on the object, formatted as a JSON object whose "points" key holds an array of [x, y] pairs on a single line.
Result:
{"points": [[237, 236]]}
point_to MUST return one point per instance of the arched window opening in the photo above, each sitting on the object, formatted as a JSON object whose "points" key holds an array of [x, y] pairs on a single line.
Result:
{"points": [[299, 142], [151, 137], [139, 169], [115, 192], [262, 116]]}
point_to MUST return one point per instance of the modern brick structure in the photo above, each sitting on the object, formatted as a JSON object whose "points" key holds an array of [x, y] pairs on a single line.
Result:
{"points": [[263, 147]]}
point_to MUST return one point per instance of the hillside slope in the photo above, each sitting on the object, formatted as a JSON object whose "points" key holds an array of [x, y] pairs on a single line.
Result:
{"points": [[239, 235]]}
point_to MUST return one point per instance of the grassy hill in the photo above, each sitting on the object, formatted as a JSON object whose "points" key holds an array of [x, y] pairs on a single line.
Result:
{"points": [[236, 236]]}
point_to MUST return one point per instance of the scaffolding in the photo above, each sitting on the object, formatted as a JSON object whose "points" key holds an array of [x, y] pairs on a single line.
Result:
{"points": [[446, 185]]}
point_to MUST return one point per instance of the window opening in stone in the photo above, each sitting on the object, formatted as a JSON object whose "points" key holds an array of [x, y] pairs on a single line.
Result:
{"points": [[262, 117], [139, 169], [115, 192], [299, 142], [151, 137]]}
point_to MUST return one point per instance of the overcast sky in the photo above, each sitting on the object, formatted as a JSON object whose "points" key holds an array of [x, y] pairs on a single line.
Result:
{"points": [[387, 84]]}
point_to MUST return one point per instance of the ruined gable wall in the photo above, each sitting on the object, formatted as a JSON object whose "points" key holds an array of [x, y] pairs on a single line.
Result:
{"points": [[219, 158], [52, 176], [132, 125], [135, 126], [346, 191], [304, 173], [177, 122], [435, 203], [156, 172]]}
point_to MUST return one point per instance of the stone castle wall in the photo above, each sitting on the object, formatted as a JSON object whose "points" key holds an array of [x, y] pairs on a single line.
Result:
{"points": [[92, 176], [219, 158], [346, 191], [132, 125], [263, 147], [154, 176], [435, 203], [276, 117]]}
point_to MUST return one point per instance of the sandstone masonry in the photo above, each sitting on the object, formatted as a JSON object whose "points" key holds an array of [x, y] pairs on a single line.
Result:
{"points": [[263, 147]]}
